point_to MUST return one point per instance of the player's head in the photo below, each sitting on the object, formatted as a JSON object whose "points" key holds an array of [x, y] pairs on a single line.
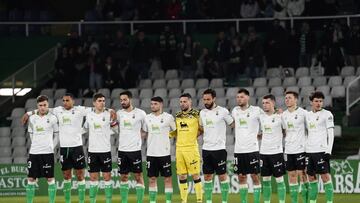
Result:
{"points": [[68, 101], [125, 99], [185, 102], [242, 97], [99, 101], [209, 97], [316, 100], [156, 104], [42, 104], [268, 103], [291, 98]]}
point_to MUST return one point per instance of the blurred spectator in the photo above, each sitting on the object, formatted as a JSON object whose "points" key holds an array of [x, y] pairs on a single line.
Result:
{"points": [[206, 66], [188, 55], [173, 10], [112, 10], [64, 67], [80, 72], [95, 69], [266, 8], [276, 45], [120, 49], [111, 74], [168, 49], [249, 9], [306, 40], [236, 64], [74, 40], [221, 51], [335, 39], [141, 55], [295, 7], [254, 55], [292, 50], [206, 9], [279, 8], [352, 45]]}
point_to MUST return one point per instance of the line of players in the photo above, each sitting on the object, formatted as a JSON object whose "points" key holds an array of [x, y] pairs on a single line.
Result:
{"points": [[308, 143]]}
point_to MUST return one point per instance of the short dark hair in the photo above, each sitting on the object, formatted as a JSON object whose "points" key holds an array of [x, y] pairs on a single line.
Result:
{"points": [[210, 91], [41, 98], [185, 95], [157, 99], [97, 96], [245, 91], [269, 96], [295, 94], [127, 93], [317, 95], [68, 94]]}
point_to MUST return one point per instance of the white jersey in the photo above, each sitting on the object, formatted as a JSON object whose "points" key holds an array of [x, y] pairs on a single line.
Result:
{"points": [[272, 135], [214, 122], [247, 127], [100, 131], [130, 124], [158, 129], [317, 125], [295, 124], [70, 125], [42, 129]]}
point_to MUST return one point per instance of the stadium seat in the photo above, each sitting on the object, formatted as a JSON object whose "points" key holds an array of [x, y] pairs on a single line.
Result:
{"points": [[191, 91], [230, 139], [187, 83], [328, 101], [157, 74], [231, 92], [277, 91], [274, 82], [319, 81], [338, 92], [134, 92], [301, 72], [5, 151], [105, 92], [17, 113], [16, 122], [324, 89], [202, 83], [220, 92], [348, 79], [145, 83], [18, 141], [358, 71], [216, 82], [335, 81], [252, 101], [174, 102], [230, 152], [261, 91], [58, 102], [231, 103], [146, 93], [19, 151], [161, 92], [20, 160], [250, 90], [171, 74], [173, 83], [347, 71], [48, 92], [88, 102], [5, 141], [259, 82], [306, 91], [136, 102], [273, 73], [200, 92], [221, 101], [145, 103], [5, 160], [115, 93], [280, 102], [30, 104], [174, 93], [59, 93], [159, 83], [293, 88], [289, 81], [18, 132], [304, 81], [78, 102], [116, 104], [4, 131]]}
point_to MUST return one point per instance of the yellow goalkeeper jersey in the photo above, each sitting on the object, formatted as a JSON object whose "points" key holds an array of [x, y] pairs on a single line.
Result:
{"points": [[187, 128]]}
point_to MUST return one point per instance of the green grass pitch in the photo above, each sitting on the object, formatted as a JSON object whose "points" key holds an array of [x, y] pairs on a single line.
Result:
{"points": [[338, 198]]}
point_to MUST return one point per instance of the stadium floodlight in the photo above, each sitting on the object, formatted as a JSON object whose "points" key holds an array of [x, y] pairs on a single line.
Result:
{"points": [[17, 91]]}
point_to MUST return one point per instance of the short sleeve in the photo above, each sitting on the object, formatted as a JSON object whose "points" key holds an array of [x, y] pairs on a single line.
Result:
{"points": [[172, 123], [144, 127], [55, 124], [329, 120]]}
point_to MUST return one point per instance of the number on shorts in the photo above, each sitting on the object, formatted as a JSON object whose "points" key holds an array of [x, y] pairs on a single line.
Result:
{"points": [[148, 164], [29, 164], [235, 161]]}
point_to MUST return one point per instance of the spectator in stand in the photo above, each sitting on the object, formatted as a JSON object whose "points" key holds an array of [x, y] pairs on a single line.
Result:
{"points": [[95, 70], [352, 45], [295, 7], [188, 55], [112, 10], [206, 66], [173, 10], [81, 73], [266, 8], [335, 39], [254, 55], [142, 55], [221, 51], [120, 49], [292, 50], [206, 9], [236, 64], [168, 49], [280, 8], [306, 40], [111, 74], [249, 9], [276, 45], [64, 67]]}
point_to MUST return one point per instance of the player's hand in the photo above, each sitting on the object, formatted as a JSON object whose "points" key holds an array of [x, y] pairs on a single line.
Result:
{"points": [[112, 114], [279, 111], [24, 118]]}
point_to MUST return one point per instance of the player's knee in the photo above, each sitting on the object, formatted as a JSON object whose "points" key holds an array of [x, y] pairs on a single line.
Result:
{"points": [[168, 180], [67, 175], [183, 177], [242, 178], [196, 176], [79, 175], [223, 177], [312, 178], [138, 177], [325, 177], [107, 176], [124, 177], [207, 177]]}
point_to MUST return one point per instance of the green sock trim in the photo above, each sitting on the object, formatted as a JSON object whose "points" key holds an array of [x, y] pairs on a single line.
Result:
{"points": [[140, 190], [52, 192], [67, 191], [257, 193], [124, 192], [305, 192], [81, 192], [152, 196], [329, 191], [225, 186], [93, 192], [267, 190], [108, 192], [294, 190], [208, 188], [244, 194], [313, 191], [168, 196], [281, 190], [30, 193]]}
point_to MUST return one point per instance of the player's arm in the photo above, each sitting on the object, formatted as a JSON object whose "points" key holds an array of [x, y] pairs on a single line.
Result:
{"points": [[31, 129], [55, 127], [144, 131], [229, 120], [330, 132], [201, 128], [114, 124], [85, 128], [25, 117], [283, 126]]}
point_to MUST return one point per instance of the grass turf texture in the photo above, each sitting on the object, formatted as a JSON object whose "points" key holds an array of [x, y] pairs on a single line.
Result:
{"points": [[341, 198]]}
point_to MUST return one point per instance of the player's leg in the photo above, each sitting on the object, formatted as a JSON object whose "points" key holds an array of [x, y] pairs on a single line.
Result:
{"points": [[66, 166], [198, 186], [326, 178], [123, 170], [106, 169], [136, 168], [181, 171], [67, 185], [30, 189], [279, 171], [257, 186], [240, 170], [292, 177], [48, 172], [304, 184], [51, 189], [33, 173], [313, 182], [79, 166], [80, 176], [221, 157], [152, 166], [193, 165], [165, 171], [152, 189], [208, 170], [94, 170], [266, 173]]}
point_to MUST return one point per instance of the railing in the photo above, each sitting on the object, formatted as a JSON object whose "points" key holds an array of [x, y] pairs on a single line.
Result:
{"points": [[352, 94], [30, 75], [184, 23]]}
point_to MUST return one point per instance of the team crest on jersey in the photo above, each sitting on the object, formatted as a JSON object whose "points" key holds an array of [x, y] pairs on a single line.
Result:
{"points": [[242, 122], [127, 124], [312, 125], [39, 129], [66, 120], [97, 126], [155, 128], [290, 125], [267, 128], [209, 122]]}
